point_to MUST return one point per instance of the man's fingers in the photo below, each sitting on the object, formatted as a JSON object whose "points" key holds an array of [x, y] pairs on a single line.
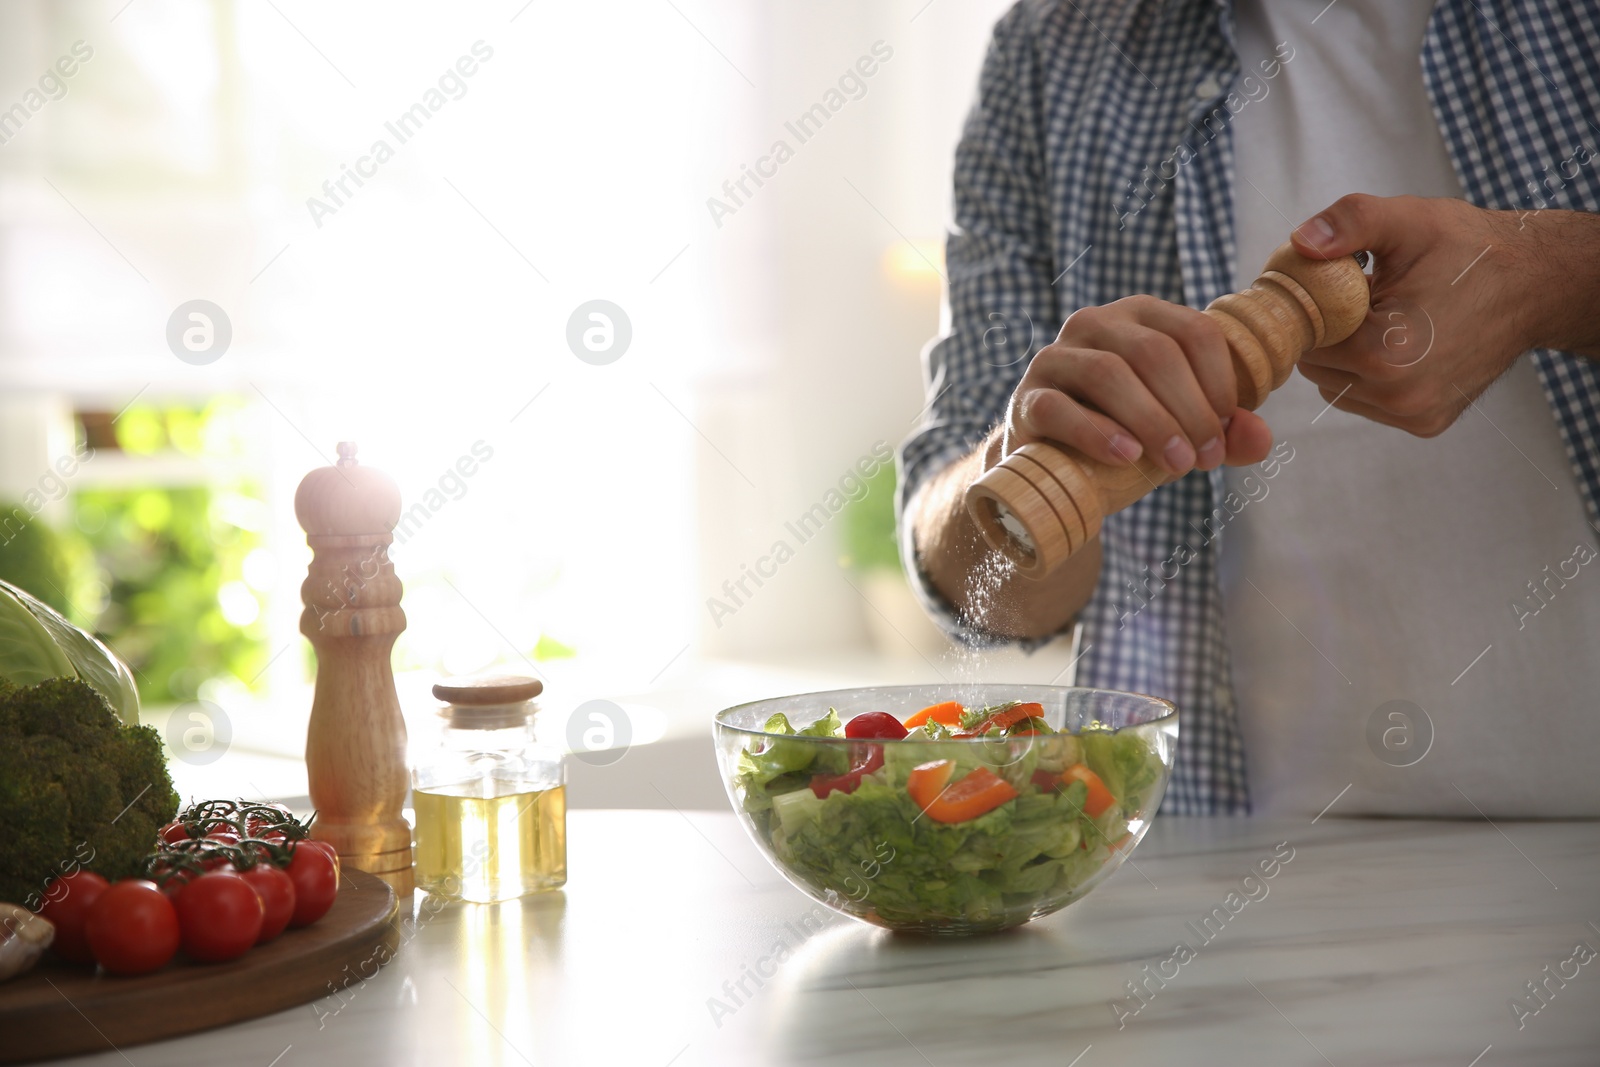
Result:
{"points": [[1052, 415], [1249, 439], [1379, 351], [1105, 382], [1192, 431], [1205, 346], [1326, 378], [1355, 223], [1346, 402]]}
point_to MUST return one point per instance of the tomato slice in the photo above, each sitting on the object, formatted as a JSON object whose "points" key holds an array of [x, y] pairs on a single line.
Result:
{"points": [[948, 713], [862, 765], [1006, 718], [1099, 797], [979, 792]]}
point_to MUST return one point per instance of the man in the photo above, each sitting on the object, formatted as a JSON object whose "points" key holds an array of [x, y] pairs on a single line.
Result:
{"points": [[1396, 607]]}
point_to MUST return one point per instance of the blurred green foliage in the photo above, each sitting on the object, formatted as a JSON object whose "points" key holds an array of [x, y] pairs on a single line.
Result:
{"points": [[164, 560], [868, 533], [166, 556], [56, 568]]}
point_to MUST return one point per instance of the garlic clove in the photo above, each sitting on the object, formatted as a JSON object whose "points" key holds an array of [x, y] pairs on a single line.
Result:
{"points": [[23, 938]]}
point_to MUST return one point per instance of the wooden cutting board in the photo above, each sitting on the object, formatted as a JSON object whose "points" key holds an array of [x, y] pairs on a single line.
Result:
{"points": [[57, 1009]]}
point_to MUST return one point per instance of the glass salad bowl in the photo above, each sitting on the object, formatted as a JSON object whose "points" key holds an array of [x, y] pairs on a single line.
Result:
{"points": [[954, 809]]}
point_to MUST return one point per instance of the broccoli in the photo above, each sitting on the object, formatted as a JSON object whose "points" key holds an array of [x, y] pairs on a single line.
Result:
{"points": [[76, 787]]}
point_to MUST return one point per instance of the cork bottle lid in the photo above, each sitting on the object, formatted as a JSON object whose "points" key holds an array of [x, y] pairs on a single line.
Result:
{"points": [[488, 701], [484, 689], [347, 499]]}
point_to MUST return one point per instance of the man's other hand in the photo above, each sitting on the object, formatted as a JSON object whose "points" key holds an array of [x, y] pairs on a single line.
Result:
{"points": [[1458, 293]]}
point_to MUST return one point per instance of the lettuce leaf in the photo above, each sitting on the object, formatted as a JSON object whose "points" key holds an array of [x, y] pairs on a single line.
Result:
{"points": [[37, 644]]}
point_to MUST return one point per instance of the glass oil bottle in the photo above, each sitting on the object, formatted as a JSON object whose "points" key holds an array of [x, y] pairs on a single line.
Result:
{"points": [[490, 802]]}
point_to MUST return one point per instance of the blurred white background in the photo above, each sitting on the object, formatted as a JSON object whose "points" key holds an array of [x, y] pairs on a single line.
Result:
{"points": [[427, 311]]}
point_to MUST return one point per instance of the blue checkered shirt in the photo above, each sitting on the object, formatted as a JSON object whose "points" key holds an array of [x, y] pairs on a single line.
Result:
{"points": [[1076, 100]]}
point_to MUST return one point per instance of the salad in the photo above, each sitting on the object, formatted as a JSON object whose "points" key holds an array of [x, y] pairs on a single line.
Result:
{"points": [[892, 822]]}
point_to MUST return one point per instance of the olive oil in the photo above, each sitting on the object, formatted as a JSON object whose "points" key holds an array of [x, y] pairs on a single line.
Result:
{"points": [[488, 839]]}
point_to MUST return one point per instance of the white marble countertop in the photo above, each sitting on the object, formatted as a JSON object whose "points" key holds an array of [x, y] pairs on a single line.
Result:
{"points": [[1378, 942]]}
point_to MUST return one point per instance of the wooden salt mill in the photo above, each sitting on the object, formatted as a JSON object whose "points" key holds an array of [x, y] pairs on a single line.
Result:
{"points": [[1043, 502], [356, 744]]}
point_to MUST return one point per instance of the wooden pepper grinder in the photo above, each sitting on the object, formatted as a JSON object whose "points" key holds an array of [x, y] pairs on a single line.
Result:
{"points": [[1043, 502], [356, 744]]}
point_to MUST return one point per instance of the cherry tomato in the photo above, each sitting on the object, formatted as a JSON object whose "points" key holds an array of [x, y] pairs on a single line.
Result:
{"points": [[172, 879], [276, 890], [219, 915], [267, 829], [875, 724], [316, 882], [174, 832], [67, 901], [132, 927], [326, 847]]}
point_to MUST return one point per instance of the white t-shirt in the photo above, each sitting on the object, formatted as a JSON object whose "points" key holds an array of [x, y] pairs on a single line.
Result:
{"points": [[1380, 567]]}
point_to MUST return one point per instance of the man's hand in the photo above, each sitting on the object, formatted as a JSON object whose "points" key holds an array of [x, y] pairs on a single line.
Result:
{"points": [[1140, 376], [1458, 293]]}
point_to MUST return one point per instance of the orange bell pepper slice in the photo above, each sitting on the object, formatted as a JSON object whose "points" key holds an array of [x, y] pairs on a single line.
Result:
{"points": [[948, 713], [1099, 797], [979, 792], [927, 781]]}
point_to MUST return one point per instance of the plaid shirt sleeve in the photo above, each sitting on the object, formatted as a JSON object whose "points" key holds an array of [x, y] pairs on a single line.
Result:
{"points": [[1000, 307]]}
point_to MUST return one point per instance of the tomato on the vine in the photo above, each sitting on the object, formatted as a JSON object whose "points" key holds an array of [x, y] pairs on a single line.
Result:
{"points": [[132, 927], [219, 916], [174, 832], [276, 890], [316, 881], [259, 824], [327, 848], [67, 901]]}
